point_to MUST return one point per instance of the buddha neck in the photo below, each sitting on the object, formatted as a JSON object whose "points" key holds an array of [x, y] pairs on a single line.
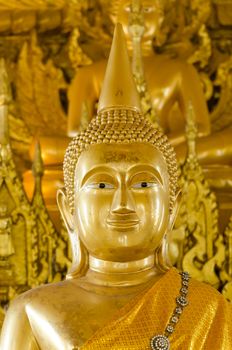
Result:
{"points": [[124, 274]]}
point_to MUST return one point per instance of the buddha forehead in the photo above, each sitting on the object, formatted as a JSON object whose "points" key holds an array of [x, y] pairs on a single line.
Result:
{"points": [[121, 158]]}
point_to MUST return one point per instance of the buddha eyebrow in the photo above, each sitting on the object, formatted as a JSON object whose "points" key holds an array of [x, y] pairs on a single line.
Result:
{"points": [[140, 169], [102, 169]]}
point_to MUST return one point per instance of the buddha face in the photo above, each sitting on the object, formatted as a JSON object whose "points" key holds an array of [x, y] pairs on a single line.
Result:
{"points": [[121, 200], [153, 11]]}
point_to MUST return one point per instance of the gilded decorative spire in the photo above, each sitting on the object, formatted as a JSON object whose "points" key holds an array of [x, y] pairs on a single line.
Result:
{"points": [[191, 133], [202, 251], [5, 98], [38, 162], [50, 244], [118, 89], [37, 169]]}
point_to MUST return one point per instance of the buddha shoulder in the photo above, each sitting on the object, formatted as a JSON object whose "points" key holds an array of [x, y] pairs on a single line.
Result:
{"points": [[49, 299], [61, 310]]}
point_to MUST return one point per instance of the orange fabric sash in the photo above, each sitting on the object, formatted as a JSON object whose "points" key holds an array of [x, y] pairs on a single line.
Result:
{"points": [[206, 323]]}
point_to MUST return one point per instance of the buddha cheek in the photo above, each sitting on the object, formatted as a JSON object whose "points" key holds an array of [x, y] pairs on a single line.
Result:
{"points": [[92, 211], [159, 214], [153, 211]]}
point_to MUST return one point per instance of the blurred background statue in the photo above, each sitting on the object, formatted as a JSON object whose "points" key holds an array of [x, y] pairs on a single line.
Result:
{"points": [[171, 82]]}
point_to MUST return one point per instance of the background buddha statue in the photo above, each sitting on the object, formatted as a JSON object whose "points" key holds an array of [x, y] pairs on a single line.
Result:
{"points": [[172, 83], [120, 203]]}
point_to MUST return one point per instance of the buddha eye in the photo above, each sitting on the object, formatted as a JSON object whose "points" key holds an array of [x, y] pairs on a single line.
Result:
{"points": [[100, 185], [148, 9], [105, 185], [143, 184]]}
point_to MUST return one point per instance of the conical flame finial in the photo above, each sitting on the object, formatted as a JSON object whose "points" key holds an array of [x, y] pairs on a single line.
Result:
{"points": [[119, 89]]}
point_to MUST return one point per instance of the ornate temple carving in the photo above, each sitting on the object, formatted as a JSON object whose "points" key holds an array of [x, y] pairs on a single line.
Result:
{"points": [[226, 274], [29, 241], [18, 221], [54, 255], [42, 115], [202, 251]]}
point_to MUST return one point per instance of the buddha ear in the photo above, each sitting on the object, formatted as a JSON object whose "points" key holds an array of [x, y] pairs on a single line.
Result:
{"points": [[175, 210], [65, 211]]}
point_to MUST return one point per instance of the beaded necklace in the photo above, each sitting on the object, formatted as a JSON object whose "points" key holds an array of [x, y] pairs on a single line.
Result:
{"points": [[160, 341]]}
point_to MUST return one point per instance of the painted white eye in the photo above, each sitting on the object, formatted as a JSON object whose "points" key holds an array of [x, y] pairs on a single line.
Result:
{"points": [[148, 9], [144, 184], [100, 185]]}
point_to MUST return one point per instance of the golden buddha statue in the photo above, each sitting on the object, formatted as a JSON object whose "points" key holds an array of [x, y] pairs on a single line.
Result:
{"points": [[120, 203]]}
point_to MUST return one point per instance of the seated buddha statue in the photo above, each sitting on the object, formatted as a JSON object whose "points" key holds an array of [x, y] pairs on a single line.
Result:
{"points": [[119, 205], [170, 82]]}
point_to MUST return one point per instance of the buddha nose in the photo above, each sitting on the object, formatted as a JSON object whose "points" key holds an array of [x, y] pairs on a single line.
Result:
{"points": [[123, 201]]}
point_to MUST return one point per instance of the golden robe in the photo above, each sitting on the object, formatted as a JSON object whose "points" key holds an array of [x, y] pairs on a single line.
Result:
{"points": [[205, 323]]}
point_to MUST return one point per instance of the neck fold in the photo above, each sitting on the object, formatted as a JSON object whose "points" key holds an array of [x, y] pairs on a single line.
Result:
{"points": [[108, 273], [103, 266]]}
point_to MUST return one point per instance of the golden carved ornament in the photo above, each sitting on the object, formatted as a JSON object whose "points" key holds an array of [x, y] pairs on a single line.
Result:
{"points": [[76, 55], [16, 212], [222, 114], [22, 16], [27, 4], [204, 51], [202, 252], [53, 248], [29, 241], [42, 115], [201, 57], [227, 272]]}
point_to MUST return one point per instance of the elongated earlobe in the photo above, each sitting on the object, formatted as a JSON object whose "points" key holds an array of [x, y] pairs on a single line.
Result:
{"points": [[65, 212], [162, 257], [175, 211], [79, 253]]}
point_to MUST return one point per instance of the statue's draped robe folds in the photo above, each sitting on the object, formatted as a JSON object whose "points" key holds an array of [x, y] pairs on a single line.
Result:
{"points": [[206, 323]]}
